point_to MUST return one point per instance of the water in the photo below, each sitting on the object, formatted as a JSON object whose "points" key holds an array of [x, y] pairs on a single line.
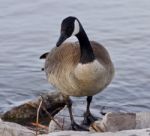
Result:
{"points": [[29, 28]]}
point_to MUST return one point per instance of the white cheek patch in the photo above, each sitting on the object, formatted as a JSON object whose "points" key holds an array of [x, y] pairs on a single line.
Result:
{"points": [[76, 28]]}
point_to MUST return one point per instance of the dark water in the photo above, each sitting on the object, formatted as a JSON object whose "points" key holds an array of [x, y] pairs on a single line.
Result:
{"points": [[28, 28]]}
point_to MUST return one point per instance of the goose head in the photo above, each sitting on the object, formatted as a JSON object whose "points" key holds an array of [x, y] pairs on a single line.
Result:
{"points": [[70, 26]]}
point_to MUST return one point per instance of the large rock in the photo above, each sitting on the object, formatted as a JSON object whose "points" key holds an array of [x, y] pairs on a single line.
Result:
{"points": [[111, 122], [142, 120], [13, 129], [26, 113], [138, 132]]}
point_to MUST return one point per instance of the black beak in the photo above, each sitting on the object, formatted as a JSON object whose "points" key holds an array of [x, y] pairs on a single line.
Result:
{"points": [[61, 39]]}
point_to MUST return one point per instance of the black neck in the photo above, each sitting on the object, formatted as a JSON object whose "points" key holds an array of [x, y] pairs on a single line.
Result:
{"points": [[87, 54]]}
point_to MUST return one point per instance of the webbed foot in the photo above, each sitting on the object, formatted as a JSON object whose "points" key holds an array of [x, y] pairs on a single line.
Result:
{"points": [[88, 119], [75, 126]]}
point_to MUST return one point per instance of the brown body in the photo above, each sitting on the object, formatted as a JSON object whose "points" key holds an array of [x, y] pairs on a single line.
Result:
{"points": [[72, 78]]}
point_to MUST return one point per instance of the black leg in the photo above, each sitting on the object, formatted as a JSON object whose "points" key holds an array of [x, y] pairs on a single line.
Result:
{"points": [[69, 105], [74, 125], [89, 100], [88, 117]]}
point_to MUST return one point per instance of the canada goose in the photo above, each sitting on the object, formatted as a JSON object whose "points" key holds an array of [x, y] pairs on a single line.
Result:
{"points": [[81, 68]]}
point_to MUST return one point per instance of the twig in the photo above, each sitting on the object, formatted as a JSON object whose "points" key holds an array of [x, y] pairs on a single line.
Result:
{"points": [[40, 125], [63, 123], [50, 116], [37, 116]]}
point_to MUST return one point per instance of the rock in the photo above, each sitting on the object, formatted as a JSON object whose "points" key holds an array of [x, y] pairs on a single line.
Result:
{"points": [[137, 132], [116, 122], [13, 129], [113, 122], [142, 120], [26, 113], [135, 124]]}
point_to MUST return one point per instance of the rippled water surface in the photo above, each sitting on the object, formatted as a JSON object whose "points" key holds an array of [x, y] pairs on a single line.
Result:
{"points": [[28, 28]]}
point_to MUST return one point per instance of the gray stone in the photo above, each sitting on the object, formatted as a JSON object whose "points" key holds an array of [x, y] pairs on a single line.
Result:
{"points": [[142, 120], [13, 129], [26, 113], [113, 122], [138, 132]]}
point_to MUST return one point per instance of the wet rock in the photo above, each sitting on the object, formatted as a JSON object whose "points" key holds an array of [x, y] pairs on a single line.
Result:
{"points": [[113, 122], [13, 129], [142, 120], [137, 132], [116, 122], [27, 112]]}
